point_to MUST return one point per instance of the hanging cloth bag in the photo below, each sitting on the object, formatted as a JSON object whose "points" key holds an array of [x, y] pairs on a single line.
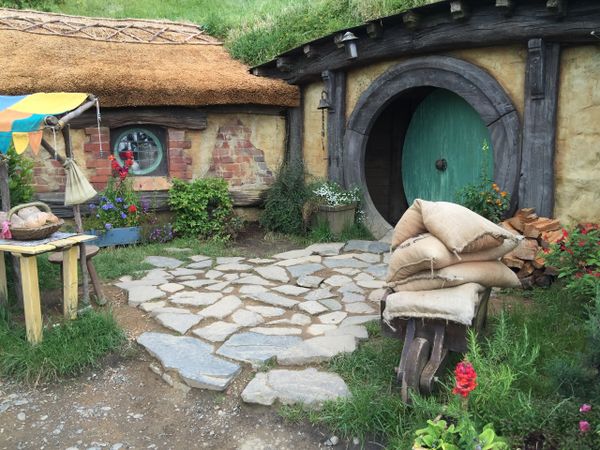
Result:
{"points": [[78, 189]]}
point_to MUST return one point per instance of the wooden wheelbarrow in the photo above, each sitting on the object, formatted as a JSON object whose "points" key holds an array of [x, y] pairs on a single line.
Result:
{"points": [[427, 342]]}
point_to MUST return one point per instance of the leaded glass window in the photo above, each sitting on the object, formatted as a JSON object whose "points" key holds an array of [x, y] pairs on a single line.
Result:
{"points": [[147, 145]]}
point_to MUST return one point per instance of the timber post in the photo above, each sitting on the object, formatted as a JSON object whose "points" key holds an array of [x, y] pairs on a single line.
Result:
{"points": [[335, 86]]}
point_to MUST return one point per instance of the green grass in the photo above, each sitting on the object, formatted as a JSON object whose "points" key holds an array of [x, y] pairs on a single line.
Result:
{"points": [[67, 350]]}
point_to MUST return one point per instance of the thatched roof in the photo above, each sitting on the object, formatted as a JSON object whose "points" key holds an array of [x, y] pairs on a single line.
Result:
{"points": [[127, 62]]}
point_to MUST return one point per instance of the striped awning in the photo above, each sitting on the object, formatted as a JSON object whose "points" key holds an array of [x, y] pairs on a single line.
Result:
{"points": [[22, 117]]}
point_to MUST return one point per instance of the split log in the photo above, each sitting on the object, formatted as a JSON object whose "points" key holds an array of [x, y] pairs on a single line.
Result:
{"points": [[527, 250], [526, 270], [512, 261]]}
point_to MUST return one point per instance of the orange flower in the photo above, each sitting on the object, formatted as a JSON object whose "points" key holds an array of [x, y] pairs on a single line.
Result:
{"points": [[503, 193], [498, 202], [495, 187]]}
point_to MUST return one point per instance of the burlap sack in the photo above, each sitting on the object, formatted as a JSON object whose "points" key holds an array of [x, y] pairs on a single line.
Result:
{"points": [[427, 252], [457, 304], [486, 273], [460, 229]]}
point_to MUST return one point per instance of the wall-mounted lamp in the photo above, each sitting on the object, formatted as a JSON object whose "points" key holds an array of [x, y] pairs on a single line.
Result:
{"points": [[349, 41], [595, 34], [324, 102]]}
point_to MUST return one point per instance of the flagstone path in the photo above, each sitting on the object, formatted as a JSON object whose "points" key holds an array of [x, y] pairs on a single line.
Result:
{"points": [[299, 307]]}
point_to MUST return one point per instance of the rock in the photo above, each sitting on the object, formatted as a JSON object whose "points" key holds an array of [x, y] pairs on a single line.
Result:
{"points": [[195, 284], [229, 259], [213, 274], [357, 320], [261, 260], [201, 264], [296, 319], [338, 280], [351, 297], [351, 287], [222, 308], [359, 308], [21, 416], [332, 441], [191, 358], [293, 254], [309, 281], [308, 387], [312, 307], [346, 271], [256, 348], [333, 262], [218, 287], [304, 269], [233, 267], [378, 270], [198, 258], [117, 446], [319, 294], [274, 273], [252, 289], [297, 261], [316, 350], [178, 322], [168, 310], [318, 329], [358, 331], [266, 311], [332, 317], [328, 249], [371, 258], [231, 276], [371, 284], [289, 289], [171, 287], [217, 331], [377, 295], [274, 299], [149, 306], [162, 261], [182, 271], [141, 294], [276, 331], [194, 298], [367, 246], [331, 304], [247, 318], [253, 279], [186, 278], [386, 258]]}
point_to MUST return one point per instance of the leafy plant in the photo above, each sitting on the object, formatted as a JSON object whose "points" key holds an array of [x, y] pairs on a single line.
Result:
{"points": [[330, 193], [203, 208], [576, 256], [285, 201], [20, 177], [485, 197]]}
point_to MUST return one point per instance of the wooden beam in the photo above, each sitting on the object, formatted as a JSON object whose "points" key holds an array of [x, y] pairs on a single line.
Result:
{"points": [[295, 133], [335, 85], [55, 122], [309, 51], [167, 116], [411, 20], [459, 9], [52, 152], [3, 284], [536, 186], [375, 30], [284, 63], [558, 7], [70, 286], [506, 6], [31, 298]]}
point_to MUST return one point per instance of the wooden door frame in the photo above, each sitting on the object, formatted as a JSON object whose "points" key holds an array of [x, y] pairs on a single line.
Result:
{"points": [[469, 81]]}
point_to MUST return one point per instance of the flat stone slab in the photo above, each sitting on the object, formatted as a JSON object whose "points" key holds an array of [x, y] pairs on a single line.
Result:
{"points": [[222, 308], [351, 297], [191, 358], [229, 259], [312, 307], [218, 287], [293, 254], [261, 260], [213, 274], [318, 329], [296, 319], [309, 281], [346, 270], [297, 261], [378, 270], [328, 249], [274, 273], [344, 262], [178, 322], [204, 264], [331, 304], [309, 387], [149, 306], [376, 295], [256, 348], [358, 320], [333, 317], [371, 258], [319, 294], [253, 279], [162, 261], [276, 331], [141, 294], [195, 298], [338, 280], [371, 284], [217, 331], [266, 311], [168, 309], [252, 289], [367, 246], [233, 267], [316, 350], [183, 271], [275, 299], [171, 287], [359, 308], [246, 318], [195, 284], [289, 289], [358, 331], [351, 287], [305, 269], [198, 258]]}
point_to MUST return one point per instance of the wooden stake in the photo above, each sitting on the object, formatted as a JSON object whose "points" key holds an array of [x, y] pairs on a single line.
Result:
{"points": [[31, 298], [69, 270], [3, 286]]}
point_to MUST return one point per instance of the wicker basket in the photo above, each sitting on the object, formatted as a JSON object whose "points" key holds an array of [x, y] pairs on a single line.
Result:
{"points": [[32, 234]]}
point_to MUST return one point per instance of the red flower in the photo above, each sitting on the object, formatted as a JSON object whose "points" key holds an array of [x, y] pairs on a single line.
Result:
{"points": [[581, 243], [132, 208], [466, 378], [111, 158], [565, 233]]}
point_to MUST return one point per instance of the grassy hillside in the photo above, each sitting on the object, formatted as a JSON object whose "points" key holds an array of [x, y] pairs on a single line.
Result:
{"points": [[254, 31]]}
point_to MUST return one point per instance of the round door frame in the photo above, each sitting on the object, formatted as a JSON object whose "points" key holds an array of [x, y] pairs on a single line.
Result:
{"points": [[469, 81]]}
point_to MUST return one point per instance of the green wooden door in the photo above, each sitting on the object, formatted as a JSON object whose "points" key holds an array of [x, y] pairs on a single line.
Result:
{"points": [[443, 148]]}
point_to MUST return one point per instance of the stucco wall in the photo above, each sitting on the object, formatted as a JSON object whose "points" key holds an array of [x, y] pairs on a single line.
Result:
{"points": [[314, 145], [577, 162]]}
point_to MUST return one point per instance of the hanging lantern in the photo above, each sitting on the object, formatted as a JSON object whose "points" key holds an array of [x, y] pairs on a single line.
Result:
{"points": [[324, 102], [349, 41]]}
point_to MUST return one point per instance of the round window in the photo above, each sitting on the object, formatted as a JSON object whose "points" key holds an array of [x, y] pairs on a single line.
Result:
{"points": [[148, 152]]}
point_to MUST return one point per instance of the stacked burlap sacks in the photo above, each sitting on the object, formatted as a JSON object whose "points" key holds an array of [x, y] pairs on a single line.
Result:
{"points": [[443, 257]]}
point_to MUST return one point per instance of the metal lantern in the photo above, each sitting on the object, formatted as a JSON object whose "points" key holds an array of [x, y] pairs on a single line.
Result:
{"points": [[349, 41]]}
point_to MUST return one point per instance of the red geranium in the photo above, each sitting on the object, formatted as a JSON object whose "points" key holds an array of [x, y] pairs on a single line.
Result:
{"points": [[132, 208], [466, 378]]}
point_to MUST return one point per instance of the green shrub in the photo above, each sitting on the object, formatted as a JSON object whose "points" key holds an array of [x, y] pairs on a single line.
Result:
{"points": [[20, 177], [285, 201], [203, 208]]}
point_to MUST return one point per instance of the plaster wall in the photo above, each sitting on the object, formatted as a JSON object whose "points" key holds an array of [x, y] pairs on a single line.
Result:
{"points": [[577, 158], [314, 145]]}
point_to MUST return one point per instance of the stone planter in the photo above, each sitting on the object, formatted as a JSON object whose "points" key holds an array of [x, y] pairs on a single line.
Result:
{"points": [[116, 236], [338, 217]]}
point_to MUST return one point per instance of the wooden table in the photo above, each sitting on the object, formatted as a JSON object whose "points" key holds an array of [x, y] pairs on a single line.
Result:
{"points": [[27, 252]]}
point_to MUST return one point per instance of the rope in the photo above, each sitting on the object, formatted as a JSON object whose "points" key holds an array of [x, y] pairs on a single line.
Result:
{"points": [[98, 119]]}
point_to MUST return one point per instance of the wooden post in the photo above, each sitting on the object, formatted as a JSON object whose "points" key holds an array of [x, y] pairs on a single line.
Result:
{"points": [[31, 298], [69, 270], [335, 85], [295, 132], [536, 186], [3, 286]]}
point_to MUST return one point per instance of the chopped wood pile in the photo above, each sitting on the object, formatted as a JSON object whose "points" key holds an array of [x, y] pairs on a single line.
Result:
{"points": [[525, 260]]}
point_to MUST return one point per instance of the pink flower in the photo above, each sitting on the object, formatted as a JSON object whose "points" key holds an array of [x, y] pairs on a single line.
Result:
{"points": [[584, 426], [585, 408]]}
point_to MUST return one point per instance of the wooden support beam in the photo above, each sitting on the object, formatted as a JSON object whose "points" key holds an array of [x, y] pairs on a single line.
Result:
{"points": [[52, 152], [411, 20], [59, 124], [295, 132], [375, 30], [459, 10], [558, 7], [335, 85], [310, 51], [31, 298], [3, 284], [70, 286], [536, 186], [284, 64], [506, 6]]}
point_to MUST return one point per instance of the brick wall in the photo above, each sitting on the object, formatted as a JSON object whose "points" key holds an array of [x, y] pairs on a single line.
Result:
{"points": [[48, 174], [98, 165], [180, 161]]}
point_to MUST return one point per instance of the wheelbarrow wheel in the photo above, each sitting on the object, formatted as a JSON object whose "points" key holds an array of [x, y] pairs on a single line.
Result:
{"points": [[416, 359]]}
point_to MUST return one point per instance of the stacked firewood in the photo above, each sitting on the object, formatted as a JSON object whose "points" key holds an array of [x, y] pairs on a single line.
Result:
{"points": [[527, 260]]}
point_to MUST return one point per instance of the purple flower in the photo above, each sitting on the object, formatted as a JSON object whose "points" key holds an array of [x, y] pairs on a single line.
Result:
{"points": [[119, 200], [123, 215], [585, 408], [584, 426], [108, 226], [107, 206], [92, 206]]}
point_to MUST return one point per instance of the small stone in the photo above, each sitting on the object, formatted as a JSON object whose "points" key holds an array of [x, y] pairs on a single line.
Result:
{"points": [[293, 254], [358, 320], [233, 267], [171, 287], [331, 304], [332, 441], [338, 280], [141, 294], [386, 258], [247, 318], [289, 289], [252, 289], [178, 322], [205, 264], [356, 441], [162, 261], [149, 306], [253, 279], [213, 274], [312, 307], [296, 319], [351, 297], [297, 261], [377, 295], [229, 259], [309, 281], [186, 278], [274, 299], [222, 308], [21, 416], [217, 331], [318, 329], [231, 276], [328, 249], [195, 284], [266, 311], [316, 350], [274, 273], [256, 348], [359, 308], [333, 317], [276, 331], [195, 298], [319, 294]]}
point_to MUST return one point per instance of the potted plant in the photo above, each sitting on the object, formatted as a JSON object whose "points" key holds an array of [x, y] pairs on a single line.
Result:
{"points": [[115, 219], [332, 204]]}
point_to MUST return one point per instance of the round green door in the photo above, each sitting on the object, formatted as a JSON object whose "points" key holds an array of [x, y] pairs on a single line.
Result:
{"points": [[443, 148]]}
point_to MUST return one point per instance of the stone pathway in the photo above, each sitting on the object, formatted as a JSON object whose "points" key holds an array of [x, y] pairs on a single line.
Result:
{"points": [[299, 307]]}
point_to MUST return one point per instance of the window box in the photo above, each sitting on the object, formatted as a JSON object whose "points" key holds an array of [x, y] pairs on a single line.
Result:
{"points": [[116, 236]]}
